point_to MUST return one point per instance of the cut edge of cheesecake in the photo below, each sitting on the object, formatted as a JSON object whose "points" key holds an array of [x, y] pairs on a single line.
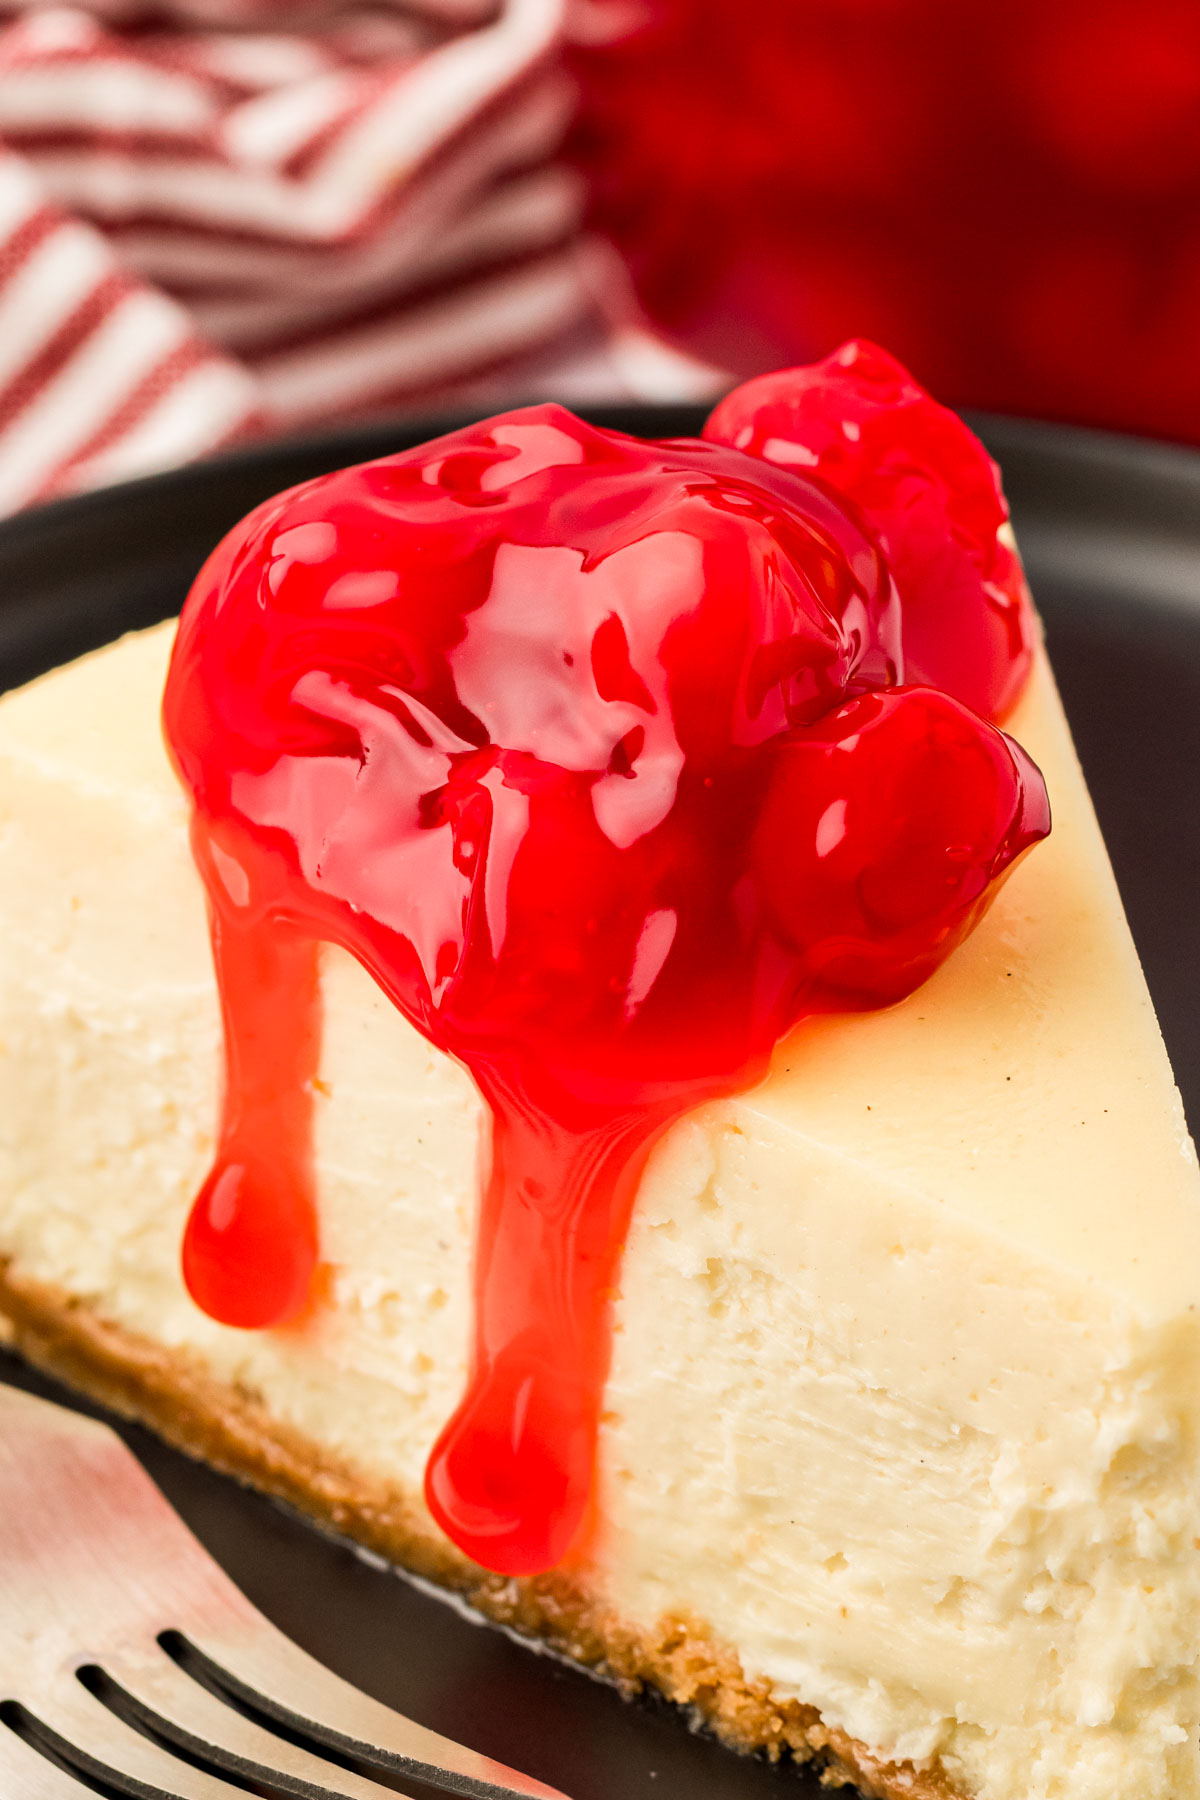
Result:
{"points": [[172, 1394]]}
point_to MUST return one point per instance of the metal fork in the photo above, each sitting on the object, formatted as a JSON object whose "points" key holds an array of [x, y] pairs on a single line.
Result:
{"points": [[131, 1666]]}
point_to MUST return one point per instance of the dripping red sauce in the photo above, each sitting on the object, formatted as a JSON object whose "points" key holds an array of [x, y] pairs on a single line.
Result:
{"points": [[603, 757]]}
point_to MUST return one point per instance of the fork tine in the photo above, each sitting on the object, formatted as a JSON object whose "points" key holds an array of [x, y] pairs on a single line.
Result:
{"points": [[94, 1563], [95, 1733], [25, 1773], [279, 1679], [165, 1689]]}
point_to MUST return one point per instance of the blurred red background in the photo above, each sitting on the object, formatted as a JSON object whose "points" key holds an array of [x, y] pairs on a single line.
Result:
{"points": [[1006, 196]]}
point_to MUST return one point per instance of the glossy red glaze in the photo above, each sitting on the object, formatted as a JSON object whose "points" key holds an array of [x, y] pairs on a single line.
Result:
{"points": [[593, 752], [931, 493]]}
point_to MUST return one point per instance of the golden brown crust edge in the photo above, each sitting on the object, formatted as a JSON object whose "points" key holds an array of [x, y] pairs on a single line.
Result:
{"points": [[232, 1430]]}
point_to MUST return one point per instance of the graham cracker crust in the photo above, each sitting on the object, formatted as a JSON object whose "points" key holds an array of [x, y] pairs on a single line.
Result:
{"points": [[233, 1431]]}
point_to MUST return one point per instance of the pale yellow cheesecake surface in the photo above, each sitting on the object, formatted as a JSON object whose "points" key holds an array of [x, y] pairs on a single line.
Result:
{"points": [[904, 1411]]}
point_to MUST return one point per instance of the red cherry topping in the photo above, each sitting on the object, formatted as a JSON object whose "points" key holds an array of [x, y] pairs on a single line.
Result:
{"points": [[593, 752], [881, 834], [930, 491]]}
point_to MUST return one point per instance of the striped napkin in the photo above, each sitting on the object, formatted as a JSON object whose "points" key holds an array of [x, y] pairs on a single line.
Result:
{"points": [[233, 219]]}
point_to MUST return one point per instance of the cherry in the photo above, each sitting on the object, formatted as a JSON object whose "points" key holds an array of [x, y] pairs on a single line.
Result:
{"points": [[927, 487], [882, 834]]}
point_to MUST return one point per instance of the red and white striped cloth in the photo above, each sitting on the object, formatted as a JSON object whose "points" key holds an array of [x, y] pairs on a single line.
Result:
{"points": [[233, 219]]}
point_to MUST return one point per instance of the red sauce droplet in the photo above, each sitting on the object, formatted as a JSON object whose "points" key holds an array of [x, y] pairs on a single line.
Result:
{"points": [[250, 1247], [594, 752]]}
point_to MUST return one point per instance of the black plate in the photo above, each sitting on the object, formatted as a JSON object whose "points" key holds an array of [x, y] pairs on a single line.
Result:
{"points": [[1111, 533]]}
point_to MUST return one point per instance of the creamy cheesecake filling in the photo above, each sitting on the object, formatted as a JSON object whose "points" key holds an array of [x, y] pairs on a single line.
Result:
{"points": [[963, 1535], [903, 1403]]}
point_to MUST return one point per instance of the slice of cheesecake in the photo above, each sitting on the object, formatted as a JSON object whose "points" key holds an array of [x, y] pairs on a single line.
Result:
{"points": [[899, 1462]]}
